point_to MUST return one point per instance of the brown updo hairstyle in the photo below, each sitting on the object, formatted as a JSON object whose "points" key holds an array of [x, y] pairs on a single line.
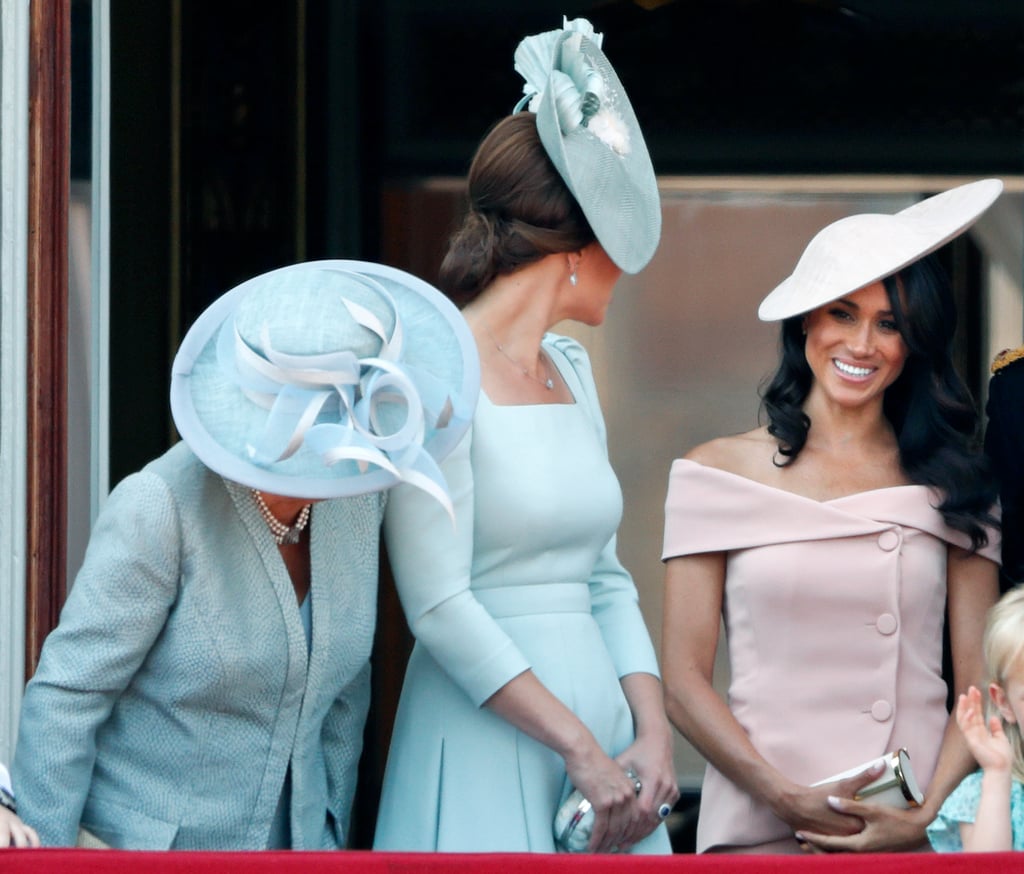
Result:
{"points": [[519, 211]]}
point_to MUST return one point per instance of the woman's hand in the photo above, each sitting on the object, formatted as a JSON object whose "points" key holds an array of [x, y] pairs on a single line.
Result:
{"points": [[528, 705], [885, 830], [808, 809], [611, 793], [650, 758], [881, 828], [14, 833]]}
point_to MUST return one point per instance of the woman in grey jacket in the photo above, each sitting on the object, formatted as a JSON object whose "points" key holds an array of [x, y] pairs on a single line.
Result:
{"points": [[208, 682]]}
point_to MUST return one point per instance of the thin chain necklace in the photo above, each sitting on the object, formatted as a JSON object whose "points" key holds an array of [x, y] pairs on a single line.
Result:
{"points": [[548, 383], [282, 533]]}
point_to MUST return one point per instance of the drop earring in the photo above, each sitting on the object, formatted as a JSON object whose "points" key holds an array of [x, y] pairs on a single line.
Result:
{"points": [[573, 278]]}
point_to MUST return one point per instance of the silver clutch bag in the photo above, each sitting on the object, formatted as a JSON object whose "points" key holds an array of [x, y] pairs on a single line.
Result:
{"points": [[896, 786], [574, 820]]}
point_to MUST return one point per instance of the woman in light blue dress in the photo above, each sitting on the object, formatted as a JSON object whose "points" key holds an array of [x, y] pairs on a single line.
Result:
{"points": [[533, 671]]}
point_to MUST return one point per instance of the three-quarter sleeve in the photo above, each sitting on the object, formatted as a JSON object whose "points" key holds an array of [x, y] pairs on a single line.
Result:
{"points": [[432, 561]]}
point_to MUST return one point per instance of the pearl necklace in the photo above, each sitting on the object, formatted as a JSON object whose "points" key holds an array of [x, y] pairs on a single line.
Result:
{"points": [[548, 383], [282, 534]]}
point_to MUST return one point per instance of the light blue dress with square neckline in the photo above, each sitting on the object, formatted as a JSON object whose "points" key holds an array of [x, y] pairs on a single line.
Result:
{"points": [[527, 579]]}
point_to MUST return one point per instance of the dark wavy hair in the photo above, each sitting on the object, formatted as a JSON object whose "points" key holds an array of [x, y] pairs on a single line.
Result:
{"points": [[932, 413], [519, 211]]}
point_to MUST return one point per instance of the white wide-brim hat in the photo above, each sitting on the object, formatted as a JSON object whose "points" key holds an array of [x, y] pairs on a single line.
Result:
{"points": [[589, 131], [859, 250], [327, 379]]}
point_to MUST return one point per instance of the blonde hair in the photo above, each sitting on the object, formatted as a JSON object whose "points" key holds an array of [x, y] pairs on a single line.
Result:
{"points": [[1004, 648]]}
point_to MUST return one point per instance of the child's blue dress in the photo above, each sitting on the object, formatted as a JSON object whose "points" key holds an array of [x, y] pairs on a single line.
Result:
{"points": [[962, 805]]}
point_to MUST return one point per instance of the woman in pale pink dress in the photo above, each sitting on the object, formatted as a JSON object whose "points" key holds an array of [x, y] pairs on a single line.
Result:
{"points": [[831, 542]]}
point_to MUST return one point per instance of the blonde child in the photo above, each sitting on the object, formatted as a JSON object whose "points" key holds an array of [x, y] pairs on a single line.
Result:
{"points": [[985, 813]]}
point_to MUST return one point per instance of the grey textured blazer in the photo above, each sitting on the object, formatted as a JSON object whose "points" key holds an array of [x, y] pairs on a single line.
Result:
{"points": [[176, 689]]}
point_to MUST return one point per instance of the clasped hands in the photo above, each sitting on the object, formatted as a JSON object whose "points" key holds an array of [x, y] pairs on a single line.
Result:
{"points": [[624, 816], [828, 819]]}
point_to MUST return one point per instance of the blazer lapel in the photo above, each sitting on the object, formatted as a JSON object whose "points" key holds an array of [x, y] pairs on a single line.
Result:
{"points": [[276, 576], [343, 556]]}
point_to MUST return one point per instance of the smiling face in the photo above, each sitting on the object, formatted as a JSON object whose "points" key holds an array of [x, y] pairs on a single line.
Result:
{"points": [[853, 347]]}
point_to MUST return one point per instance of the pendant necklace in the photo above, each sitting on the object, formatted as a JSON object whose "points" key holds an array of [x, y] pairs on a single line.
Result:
{"points": [[548, 383], [282, 534]]}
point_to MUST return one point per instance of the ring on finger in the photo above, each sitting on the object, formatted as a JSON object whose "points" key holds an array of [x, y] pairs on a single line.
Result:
{"points": [[664, 810], [637, 785]]}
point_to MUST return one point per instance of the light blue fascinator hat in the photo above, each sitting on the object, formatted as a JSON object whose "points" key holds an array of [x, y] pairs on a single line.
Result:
{"points": [[327, 379], [589, 131], [859, 250]]}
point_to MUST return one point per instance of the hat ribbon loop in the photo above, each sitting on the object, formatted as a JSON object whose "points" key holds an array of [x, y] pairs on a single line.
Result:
{"points": [[559, 72], [555, 60], [387, 384], [297, 389], [294, 388], [576, 88]]}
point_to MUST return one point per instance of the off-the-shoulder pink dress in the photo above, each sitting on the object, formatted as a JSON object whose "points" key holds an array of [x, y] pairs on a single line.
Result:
{"points": [[834, 613]]}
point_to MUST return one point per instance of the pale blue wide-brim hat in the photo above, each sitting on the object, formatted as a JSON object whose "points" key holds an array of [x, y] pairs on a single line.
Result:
{"points": [[859, 250], [327, 379], [589, 131]]}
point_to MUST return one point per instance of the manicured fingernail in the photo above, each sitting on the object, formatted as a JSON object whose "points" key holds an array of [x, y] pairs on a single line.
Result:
{"points": [[800, 837], [835, 802]]}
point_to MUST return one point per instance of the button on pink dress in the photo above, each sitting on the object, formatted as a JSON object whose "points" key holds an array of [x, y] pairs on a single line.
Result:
{"points": [[834, 613]]}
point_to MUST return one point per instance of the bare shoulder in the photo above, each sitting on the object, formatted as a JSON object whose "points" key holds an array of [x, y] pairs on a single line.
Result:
{"points": [[740, 454]]}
